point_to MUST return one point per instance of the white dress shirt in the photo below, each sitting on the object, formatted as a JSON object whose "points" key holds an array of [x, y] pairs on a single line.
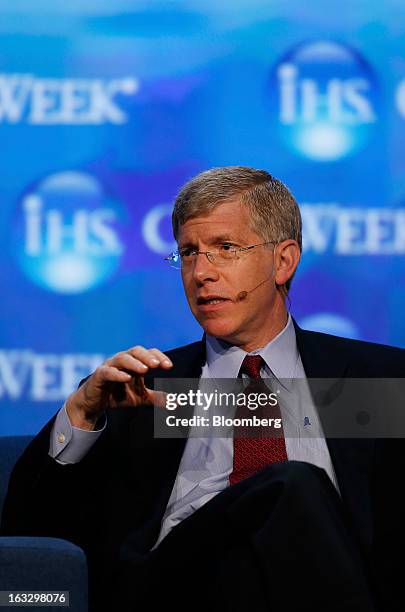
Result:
{"points": [[207, 462]]}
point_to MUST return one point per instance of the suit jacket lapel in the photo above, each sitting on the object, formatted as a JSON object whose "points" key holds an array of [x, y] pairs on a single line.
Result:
{"points": [[324, 356]]}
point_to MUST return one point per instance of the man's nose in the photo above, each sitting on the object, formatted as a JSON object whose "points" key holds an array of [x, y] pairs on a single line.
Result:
{"points": [[203, 269]]}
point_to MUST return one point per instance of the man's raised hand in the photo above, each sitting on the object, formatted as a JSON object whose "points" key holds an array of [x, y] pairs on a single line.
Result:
{"points": [[119, 381]]}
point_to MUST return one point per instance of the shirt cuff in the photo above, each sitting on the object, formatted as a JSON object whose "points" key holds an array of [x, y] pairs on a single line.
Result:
{"points": [[70, 444]]}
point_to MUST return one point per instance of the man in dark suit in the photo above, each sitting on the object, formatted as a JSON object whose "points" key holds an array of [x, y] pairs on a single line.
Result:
{"points": [[276, 523]]}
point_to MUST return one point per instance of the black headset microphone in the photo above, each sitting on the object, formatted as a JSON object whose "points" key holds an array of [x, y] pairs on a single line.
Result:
{"points": [[242, 295]]}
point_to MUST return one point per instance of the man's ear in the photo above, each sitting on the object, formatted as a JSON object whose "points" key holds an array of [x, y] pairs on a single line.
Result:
{"points": [[286, 257]]}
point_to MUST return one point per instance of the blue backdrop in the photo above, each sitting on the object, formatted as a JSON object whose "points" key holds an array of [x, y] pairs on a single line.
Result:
{"points": [[107, 107]]}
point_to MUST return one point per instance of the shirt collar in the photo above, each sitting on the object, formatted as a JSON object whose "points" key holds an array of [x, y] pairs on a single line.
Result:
{"points": [[280, 354]]}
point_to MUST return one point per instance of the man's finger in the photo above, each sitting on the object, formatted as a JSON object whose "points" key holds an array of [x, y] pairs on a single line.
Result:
{"points": [[158, 398], [164, 360], [112, 374], [151, 357], [125, 361]]}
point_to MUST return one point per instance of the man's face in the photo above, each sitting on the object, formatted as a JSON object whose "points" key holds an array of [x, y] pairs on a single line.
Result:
{"points": [[249, 321]]}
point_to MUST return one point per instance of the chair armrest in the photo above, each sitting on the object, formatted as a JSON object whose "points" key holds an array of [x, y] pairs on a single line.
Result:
{"points": [[44, 564]]}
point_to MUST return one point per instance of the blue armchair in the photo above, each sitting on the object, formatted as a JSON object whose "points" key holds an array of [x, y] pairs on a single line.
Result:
{"points": [[33, 563]]}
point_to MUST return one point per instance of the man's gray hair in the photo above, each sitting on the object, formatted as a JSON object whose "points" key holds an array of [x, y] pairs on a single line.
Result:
{"points": [[274, 213]]}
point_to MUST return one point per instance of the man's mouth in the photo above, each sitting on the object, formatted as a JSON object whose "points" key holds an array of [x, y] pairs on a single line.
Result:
{"points": [[211, 300], [212, 303]]}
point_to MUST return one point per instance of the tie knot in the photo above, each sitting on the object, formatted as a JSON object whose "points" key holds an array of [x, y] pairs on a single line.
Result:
{"points": [[251, 365]]}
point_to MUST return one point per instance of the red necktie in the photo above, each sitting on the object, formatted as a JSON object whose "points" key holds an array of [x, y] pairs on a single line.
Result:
{"points": [[253, 454]]}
